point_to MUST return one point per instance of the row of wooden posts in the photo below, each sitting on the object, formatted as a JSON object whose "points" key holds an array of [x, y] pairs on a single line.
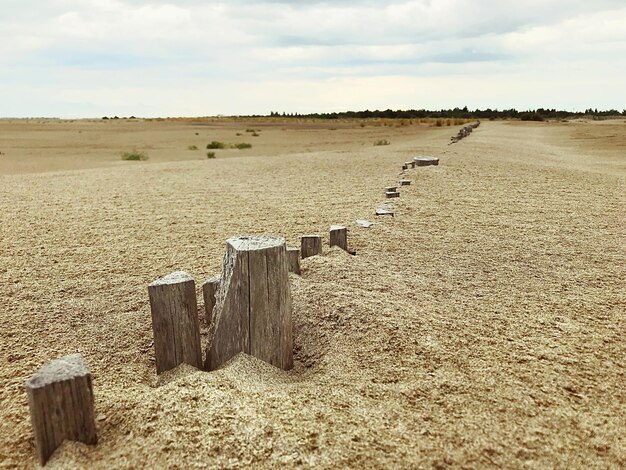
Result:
{"points": [[248, 309], [464, 132]]}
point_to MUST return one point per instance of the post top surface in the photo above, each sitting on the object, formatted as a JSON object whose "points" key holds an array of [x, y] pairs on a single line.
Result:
{"points": [[59, 370], [425, 159], [250, 243], [311, 236], [291, 248], [173, 278], [213, 280], [337, 227]]}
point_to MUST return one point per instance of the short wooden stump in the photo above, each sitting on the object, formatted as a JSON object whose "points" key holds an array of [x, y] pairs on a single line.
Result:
{"points": [[426, 161], [60, 398]]}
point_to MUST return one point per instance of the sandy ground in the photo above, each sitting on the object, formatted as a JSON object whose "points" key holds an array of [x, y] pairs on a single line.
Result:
{"points": [[481, 327]]}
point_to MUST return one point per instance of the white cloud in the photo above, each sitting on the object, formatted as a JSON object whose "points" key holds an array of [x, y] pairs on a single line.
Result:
{"points": [[77, 57]]}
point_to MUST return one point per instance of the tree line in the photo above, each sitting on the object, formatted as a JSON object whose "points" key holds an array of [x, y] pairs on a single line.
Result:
{"points": [[539, 114]]}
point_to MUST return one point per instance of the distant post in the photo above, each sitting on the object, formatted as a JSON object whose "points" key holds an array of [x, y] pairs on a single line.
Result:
{"points": [[310, 245], [209, 289], [339, 236], [293, 259]]}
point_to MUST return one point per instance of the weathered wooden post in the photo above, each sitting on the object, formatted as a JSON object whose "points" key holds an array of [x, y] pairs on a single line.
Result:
{"points": [[175, 321], [405, 167], [425, 161], [310, 245], [60, 398], [339, 236], [405, 182], [390, 194], [390, 189], [209, 288], [252, 313], [412, 163], [293, 259], [384, 210]]}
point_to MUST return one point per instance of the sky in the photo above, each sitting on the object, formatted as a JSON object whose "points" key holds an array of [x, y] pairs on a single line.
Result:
{"points": [[92, 58]]}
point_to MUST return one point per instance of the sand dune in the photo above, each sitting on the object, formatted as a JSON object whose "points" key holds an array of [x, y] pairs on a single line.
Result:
{"points": [[483, 326]]}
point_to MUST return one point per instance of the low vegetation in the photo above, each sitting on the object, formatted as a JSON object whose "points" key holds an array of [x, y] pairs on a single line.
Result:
{"points": [[134, 156], [216, 145], [221, 145], [192, 147], [382, 142], [210, 154]]}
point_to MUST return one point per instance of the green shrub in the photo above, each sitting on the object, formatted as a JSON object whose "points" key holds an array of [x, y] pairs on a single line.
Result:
{"points": [[216, 145], [238, 134], [192, 147], [134, 156], [210, 154], [382, 142], [249, 130], [254, 134], [243, 145]]}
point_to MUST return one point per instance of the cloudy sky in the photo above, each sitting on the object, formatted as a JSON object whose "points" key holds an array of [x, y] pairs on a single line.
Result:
{"points": [[86, 58]]}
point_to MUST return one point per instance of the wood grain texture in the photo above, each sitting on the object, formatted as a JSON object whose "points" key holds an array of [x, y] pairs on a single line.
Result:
{"points": [[253, 309], [175, 325], [209, 289], [339, 236], [405, 182], [270, 306], [310, 245], [293, 260], [230, 326], [60, 399], [392, 194]]}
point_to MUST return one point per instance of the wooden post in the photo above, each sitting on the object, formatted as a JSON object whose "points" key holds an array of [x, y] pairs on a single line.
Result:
{"points": [[391, 189], [425, 161], [310, 245], [384, 210], [412, 164], [175, 321], [405, 182], [405, 167], [252, 313], [209, 288], [60, 398], [293, 259], [339, 236], [391, 194]]}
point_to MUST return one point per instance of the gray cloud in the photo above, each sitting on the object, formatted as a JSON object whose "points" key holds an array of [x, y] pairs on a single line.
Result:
{"points": [[69, 47]]}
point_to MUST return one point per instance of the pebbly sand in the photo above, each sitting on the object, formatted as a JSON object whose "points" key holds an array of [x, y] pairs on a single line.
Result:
{"points": [[482, 326]]}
